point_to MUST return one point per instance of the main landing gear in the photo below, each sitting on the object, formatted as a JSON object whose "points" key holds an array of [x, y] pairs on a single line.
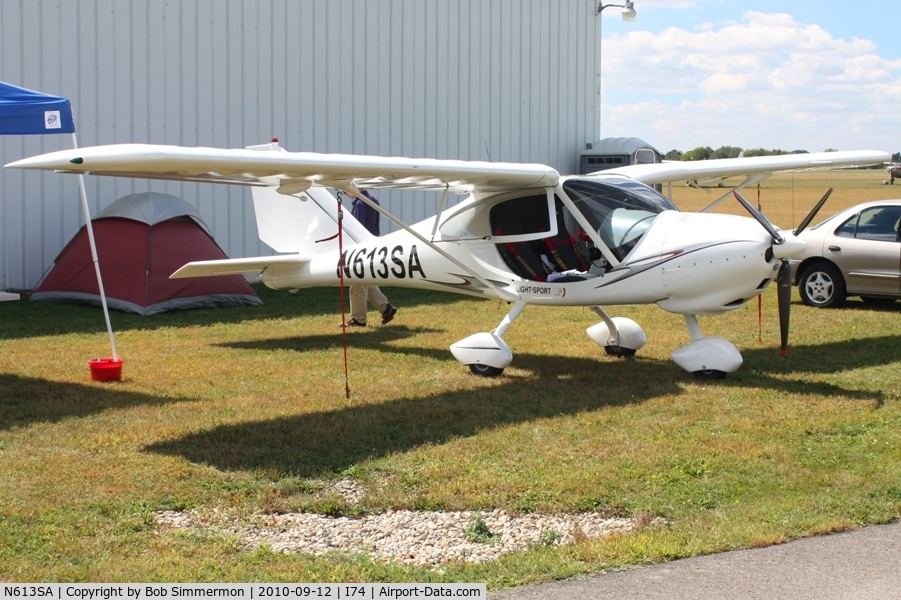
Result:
{"points": [[487, 354], [618, 336]]}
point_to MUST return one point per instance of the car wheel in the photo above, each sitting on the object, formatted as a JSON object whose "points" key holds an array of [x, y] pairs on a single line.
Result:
{"points": [[822, 285]]}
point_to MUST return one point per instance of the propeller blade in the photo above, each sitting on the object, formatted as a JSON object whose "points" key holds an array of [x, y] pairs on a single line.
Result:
{"points": [[813, 212], [784, 291], [777, 238]]}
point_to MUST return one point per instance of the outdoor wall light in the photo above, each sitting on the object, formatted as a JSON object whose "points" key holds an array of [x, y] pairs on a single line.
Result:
{"points": [[628, 9]]}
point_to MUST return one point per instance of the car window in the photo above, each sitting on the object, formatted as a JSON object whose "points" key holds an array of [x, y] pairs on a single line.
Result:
{"points": [[848, 228], [879, 223]]}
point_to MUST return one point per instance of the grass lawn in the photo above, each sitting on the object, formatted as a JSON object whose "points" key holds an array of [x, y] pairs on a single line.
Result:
{"points": [[244, 410]]}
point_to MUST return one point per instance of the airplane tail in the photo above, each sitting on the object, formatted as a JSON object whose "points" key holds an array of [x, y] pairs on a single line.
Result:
{"points": [[301, 223], [298, 226]]}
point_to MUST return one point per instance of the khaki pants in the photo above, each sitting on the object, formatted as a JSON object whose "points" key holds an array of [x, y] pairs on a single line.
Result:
{"points": [[359, 294]]}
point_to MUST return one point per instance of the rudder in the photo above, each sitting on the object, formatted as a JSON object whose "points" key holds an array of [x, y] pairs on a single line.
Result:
{"points": [[304, 223]]}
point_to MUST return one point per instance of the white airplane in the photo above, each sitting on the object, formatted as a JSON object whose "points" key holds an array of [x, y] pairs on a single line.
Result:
{"points": [[524, 234]]}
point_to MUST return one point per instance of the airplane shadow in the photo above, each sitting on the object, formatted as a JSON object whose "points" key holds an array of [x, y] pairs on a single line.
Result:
{"points": [[321, 443], [328, 442], [830, 357], [371, 338], [24, 319], [27, 400]]}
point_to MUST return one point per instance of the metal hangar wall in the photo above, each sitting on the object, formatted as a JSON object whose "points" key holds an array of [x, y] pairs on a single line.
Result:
{"points": [[500, 80]]}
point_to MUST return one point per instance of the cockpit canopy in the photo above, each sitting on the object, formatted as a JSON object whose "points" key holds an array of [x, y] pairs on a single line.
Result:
{"points": [[619, 210], [538, 236]]}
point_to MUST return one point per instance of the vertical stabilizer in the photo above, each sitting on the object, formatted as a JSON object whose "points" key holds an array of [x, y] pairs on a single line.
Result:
{"points": [[304, 223]]}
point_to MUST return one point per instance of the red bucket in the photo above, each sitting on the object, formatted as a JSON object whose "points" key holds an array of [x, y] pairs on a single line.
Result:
{"points": [[105, 369]]}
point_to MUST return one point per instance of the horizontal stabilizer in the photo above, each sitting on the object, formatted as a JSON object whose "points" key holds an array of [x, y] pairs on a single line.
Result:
{"points": [[236, 266]]}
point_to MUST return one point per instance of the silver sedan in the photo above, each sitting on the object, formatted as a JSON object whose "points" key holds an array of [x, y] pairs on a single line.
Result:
{"points": [[856, 252]]}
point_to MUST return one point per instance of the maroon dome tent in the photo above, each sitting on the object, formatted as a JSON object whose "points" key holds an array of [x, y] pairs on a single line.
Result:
{"points": [[141, 240]]}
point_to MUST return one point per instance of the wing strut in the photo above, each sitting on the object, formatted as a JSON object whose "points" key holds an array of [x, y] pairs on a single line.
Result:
{"points": [[502, 294], [749, 180], [440, 210]]}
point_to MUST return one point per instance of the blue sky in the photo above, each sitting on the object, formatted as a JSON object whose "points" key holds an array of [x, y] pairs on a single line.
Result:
{"points": [[789, 75]]}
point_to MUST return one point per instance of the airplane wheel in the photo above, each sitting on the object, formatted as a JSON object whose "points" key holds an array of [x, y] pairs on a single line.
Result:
{"points": [[485, 370], [710, 374], [619, 351]]}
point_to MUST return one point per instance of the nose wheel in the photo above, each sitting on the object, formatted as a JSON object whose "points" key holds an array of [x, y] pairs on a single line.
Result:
{"points": [[485, 370], [709, 374], [707, 358]]}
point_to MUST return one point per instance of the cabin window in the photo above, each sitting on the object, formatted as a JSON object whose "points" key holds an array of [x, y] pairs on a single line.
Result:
{"points": [[521, 216], [555, 256]]}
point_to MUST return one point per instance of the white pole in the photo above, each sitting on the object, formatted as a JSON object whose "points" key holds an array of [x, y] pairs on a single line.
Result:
{"points": [[87, 219]]}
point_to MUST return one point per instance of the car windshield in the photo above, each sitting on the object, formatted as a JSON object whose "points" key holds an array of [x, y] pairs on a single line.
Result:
{"points": [[823, 222], [620, 211]]}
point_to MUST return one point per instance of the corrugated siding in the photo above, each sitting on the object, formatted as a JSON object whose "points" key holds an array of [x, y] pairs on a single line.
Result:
{"points": [[505, 80]]}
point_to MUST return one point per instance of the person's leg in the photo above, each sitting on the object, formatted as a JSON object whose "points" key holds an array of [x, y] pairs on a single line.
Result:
{"points": [[380, 301], [376, 297], [358, 295]]}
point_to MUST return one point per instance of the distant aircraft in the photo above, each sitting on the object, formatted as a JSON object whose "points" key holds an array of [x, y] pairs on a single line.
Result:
{"points": [[525, 234]]}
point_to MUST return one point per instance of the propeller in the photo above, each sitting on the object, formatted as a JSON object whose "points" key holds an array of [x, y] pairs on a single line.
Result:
{"points": [[784, 296], [783, 276], [813, 212], [777, 237]]}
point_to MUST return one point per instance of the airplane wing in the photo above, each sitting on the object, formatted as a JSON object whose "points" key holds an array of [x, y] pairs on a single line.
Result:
{"points": [[292, 172], [667, 172]]}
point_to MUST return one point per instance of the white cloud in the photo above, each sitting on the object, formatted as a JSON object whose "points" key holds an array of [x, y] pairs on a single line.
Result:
{"points": [[767, 81]]}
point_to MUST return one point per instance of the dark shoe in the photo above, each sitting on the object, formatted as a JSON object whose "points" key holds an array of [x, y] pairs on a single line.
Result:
{"points": [[354, 323], [389, 313]]}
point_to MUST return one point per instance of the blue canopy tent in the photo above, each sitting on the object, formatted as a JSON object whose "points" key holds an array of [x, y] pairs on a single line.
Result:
{"points": [[27, 112]]}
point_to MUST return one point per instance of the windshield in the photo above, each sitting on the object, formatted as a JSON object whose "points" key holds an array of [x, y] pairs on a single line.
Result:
{"points": [[620, 211]]}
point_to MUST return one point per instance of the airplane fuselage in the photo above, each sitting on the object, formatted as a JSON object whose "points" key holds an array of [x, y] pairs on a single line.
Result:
{"points": [[687, 263], [894, 171]]}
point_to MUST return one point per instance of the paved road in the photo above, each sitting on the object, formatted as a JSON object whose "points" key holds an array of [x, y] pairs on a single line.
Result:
{"points": [[864, 564]]}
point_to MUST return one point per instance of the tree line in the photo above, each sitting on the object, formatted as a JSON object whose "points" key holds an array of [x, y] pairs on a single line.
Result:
{"points": [[708, 153]]}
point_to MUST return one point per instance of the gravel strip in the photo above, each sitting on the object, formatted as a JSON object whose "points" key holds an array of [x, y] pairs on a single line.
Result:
{"points": [[422, 539]]}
